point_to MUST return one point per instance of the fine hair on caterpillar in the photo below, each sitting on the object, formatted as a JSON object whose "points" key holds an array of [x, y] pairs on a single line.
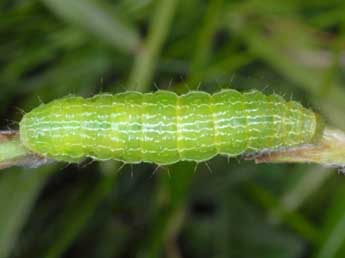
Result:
{"points": [[164, 128]]}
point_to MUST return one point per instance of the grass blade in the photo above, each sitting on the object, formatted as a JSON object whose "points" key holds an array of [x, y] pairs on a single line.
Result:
{"points": [[98, 21], [18, 192]]}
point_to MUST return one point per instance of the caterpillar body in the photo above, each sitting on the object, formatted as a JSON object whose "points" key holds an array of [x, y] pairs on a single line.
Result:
{"points": [[165, 128]]}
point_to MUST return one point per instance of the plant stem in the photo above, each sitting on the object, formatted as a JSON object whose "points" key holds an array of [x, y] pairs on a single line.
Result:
{"points": [[329, 152]]}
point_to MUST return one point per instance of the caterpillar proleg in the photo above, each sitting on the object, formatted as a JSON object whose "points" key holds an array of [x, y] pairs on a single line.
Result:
{"points": [[165, 128]]}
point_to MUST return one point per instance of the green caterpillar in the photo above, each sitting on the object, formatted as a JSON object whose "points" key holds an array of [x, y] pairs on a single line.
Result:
{"points": [[165, 128]]}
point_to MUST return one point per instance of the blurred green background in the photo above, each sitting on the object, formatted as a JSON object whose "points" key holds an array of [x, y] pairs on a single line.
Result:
{"points": [[52, 48]]}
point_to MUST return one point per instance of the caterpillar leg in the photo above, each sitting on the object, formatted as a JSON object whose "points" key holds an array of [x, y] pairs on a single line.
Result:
{"points": [[162, 168], [208, 167]]}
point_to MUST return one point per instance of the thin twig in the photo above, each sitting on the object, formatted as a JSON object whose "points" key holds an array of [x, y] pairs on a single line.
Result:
{"points": [[329, 152]]}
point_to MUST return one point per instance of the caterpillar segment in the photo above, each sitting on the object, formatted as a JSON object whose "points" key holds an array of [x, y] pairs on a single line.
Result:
{"points": [[165, 128]]}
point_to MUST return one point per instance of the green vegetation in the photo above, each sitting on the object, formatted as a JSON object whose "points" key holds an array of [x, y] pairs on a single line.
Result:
{"points": [[52, 48]]}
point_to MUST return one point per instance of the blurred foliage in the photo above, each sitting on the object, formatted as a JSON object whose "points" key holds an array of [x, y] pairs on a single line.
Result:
{"points": [[52, 48]]}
